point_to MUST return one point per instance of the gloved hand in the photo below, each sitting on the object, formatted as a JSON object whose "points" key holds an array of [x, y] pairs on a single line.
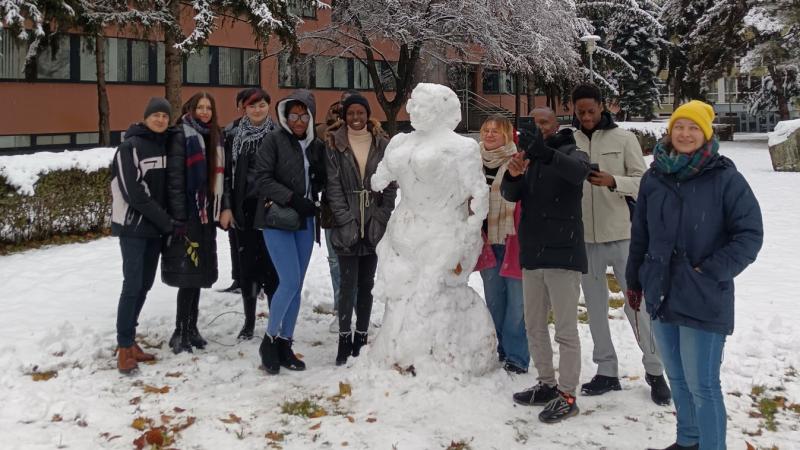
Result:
{"points": [[303, 206], [634, 298], [531, 141], [179, 228]]}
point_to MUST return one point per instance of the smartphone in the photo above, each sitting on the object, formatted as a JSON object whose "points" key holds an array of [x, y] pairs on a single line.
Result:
{"points": [[595, 167]]}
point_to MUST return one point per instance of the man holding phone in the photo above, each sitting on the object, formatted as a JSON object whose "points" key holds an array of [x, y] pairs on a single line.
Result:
{"points": [[617, 168]]}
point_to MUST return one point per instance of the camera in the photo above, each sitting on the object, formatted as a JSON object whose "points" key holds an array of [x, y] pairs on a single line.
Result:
{"points": [[530, 139]]}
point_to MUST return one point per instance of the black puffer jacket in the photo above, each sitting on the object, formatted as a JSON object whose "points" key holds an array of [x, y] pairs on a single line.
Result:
{"points": [[361, 215], [551, 227], [145, 168], [280, 166]]}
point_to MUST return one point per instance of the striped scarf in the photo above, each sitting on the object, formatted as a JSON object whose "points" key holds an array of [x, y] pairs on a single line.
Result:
{"points": [[501, 212], [683, 165], [197, 170]]}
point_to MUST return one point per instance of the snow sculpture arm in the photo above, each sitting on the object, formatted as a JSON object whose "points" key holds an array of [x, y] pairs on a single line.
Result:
{"points": [[383, 174], [475, 181]]}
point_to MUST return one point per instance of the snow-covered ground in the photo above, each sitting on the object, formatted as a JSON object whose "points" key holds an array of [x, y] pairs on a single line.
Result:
{"points": [[58, 307]]}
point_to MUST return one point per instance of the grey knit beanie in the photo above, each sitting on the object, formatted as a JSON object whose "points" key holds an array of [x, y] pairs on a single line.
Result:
{"points": [[157, 104]]}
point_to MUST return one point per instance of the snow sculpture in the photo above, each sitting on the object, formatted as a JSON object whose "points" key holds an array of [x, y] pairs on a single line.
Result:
{"points": [[433, 319]]}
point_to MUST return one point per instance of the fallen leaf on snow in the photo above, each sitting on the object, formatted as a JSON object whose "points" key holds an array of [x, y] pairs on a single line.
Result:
{"points": [[148, 389], [82, 423], [345, 389], [56, 418], [44, 376], [371, 420], [749, 446], [135, 400], [350, 419], [274, 436], [140, 423], [632, 419], [182, 426], [232, 418], [154, 437], [165, 419], [178, 409], [173, 374], [316, 427]]}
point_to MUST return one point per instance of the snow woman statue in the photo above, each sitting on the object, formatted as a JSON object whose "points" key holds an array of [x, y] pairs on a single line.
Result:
{"points": [[433, 320]]}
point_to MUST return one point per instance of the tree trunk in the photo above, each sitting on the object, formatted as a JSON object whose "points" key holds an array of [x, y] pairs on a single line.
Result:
{"points": [[173, 67], [780, 95], [391, 120], [103, 110]]}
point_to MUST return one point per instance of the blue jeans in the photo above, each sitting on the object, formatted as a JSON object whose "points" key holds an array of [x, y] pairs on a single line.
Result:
{"points": [[692, 359], [505, 302], [291, 253], [333, 266]]}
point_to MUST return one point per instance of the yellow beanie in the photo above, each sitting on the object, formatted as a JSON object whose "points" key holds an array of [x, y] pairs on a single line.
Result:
{"points": [[698, 112]]}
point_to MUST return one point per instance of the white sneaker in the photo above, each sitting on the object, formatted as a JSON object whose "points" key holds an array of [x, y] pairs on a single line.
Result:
{"points": [[334, 326]]}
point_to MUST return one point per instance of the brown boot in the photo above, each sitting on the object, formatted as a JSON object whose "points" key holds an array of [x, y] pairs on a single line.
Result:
{"points": [[126, 361], [140, 354]]}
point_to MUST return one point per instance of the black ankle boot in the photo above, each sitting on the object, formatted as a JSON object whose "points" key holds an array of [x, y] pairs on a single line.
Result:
{"points": [[195, 339], [675, 446], [345, 348], [179, 342], [269, 355], [249, 301], [287, 357], [359, 340]]}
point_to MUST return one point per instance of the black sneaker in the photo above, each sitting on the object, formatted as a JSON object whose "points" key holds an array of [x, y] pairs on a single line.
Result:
{"points": [[601, 384], [514, 369], [559, 408], [537, 395], [659, 390], [234, 288]]}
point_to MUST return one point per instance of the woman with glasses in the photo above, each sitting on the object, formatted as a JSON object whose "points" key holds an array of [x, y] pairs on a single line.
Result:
{"points": [[290, 173]]}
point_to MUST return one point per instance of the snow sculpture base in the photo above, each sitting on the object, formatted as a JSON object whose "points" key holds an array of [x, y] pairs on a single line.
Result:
{"points": [[433, 319]]}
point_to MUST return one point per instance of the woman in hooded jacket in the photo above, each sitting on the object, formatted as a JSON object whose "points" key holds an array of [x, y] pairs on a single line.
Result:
{"points": [[353, 154], [189, 261], [696, 226], [290, 173]]}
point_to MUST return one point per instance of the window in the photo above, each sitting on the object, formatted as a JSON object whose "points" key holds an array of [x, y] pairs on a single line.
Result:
{"points": [[87, 138], [140, 61], [12, 56], [295, 7], [331, 72], [88, 59], [198, 66], [230, 66], [491, 81], [55, 139], [53, 63], [293, 73], [15, 141], [252, 67], [361, 78], [116, 60]]}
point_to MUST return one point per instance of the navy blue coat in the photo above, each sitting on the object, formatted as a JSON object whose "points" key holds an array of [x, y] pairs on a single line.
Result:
{"points": [[711, 222]]}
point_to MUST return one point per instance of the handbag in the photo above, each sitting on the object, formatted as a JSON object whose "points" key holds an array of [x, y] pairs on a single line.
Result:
{"points": [[510, 267], [486, 260], [281, 217]]}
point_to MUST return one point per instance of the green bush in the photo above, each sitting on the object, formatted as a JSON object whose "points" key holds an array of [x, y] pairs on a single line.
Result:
{"points": [[65, 202]]}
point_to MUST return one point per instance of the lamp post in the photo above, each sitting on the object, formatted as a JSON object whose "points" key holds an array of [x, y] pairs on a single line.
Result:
{"points": [[591, 44]]}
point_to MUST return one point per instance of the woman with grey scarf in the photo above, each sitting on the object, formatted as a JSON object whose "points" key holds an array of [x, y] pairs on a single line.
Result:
{"points": [[256, 268]]}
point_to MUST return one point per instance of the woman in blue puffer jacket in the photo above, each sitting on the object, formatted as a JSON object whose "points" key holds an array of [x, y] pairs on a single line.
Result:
{"points": [[697, 225]]}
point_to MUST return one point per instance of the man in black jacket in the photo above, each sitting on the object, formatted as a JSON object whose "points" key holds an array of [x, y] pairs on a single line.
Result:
{"points": [[548, 179], [144, 169]]}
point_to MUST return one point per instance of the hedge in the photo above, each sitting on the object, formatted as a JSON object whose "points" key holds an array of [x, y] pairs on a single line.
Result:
{"points": [[65, 202]]}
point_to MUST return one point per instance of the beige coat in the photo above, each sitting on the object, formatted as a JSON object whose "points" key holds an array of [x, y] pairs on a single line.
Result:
{"points": [[606, 217]]}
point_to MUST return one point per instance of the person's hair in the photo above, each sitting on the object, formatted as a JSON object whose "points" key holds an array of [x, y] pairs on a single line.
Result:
{"points": [[503, 123], [350, 92], [334, 113], [254, 95], [213, 132], [291, 104], [587, 91], [240, 96]]}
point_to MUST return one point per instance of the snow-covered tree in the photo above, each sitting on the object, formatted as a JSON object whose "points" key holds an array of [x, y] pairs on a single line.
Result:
{"points": [[521, 36], [707, 40], [775, 47], [627, 55]]}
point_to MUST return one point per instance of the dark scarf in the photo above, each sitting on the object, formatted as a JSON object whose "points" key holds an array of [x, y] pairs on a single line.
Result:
{"points": [[248, 138], [196, 135], [683, 166]]}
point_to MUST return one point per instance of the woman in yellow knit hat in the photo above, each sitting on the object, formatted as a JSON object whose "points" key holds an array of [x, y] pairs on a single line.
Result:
{"points": [[697, 225]]}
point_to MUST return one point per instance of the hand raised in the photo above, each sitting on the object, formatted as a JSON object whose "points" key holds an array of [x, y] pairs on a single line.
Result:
{"points": [[518, 165]]}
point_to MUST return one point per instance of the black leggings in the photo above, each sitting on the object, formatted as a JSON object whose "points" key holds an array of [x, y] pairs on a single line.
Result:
{"points": [[357, 275]]}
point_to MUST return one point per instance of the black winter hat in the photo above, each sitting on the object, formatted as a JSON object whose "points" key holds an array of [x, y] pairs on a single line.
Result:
{"points": [[157, 104], [355, 99]]}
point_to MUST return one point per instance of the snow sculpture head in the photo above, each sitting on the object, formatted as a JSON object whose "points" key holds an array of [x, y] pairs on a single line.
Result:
{"points": [[432, 107]]}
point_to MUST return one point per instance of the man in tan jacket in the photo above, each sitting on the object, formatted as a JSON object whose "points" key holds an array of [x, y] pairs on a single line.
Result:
{"points": [[617, 167]]}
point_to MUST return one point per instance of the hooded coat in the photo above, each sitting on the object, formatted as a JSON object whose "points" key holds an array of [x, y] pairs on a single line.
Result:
{"points": [[280, 162]]}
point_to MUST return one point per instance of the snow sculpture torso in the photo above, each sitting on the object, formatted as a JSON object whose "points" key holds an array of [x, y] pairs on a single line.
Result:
{"points": [[433, 319]]}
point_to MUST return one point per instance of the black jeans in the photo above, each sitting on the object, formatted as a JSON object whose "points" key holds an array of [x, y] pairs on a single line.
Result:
{"points": [[234, 254], [255, 264], [358, 277], [139, 264]]}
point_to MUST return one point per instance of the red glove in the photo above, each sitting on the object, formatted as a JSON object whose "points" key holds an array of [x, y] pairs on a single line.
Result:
{"points": [[634, 299]]}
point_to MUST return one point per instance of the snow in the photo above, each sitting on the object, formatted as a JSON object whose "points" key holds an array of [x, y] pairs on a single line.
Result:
{"points": [[433, 320], [59, 306], [23, 171], [656, 129], [783, 130]]}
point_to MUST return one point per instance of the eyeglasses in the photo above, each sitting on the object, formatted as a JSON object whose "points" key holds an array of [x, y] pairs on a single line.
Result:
{"points": [[295, 117]]}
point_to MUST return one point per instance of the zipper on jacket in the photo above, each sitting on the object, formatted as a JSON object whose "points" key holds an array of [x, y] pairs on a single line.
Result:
{"points": [[591, 194]]}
